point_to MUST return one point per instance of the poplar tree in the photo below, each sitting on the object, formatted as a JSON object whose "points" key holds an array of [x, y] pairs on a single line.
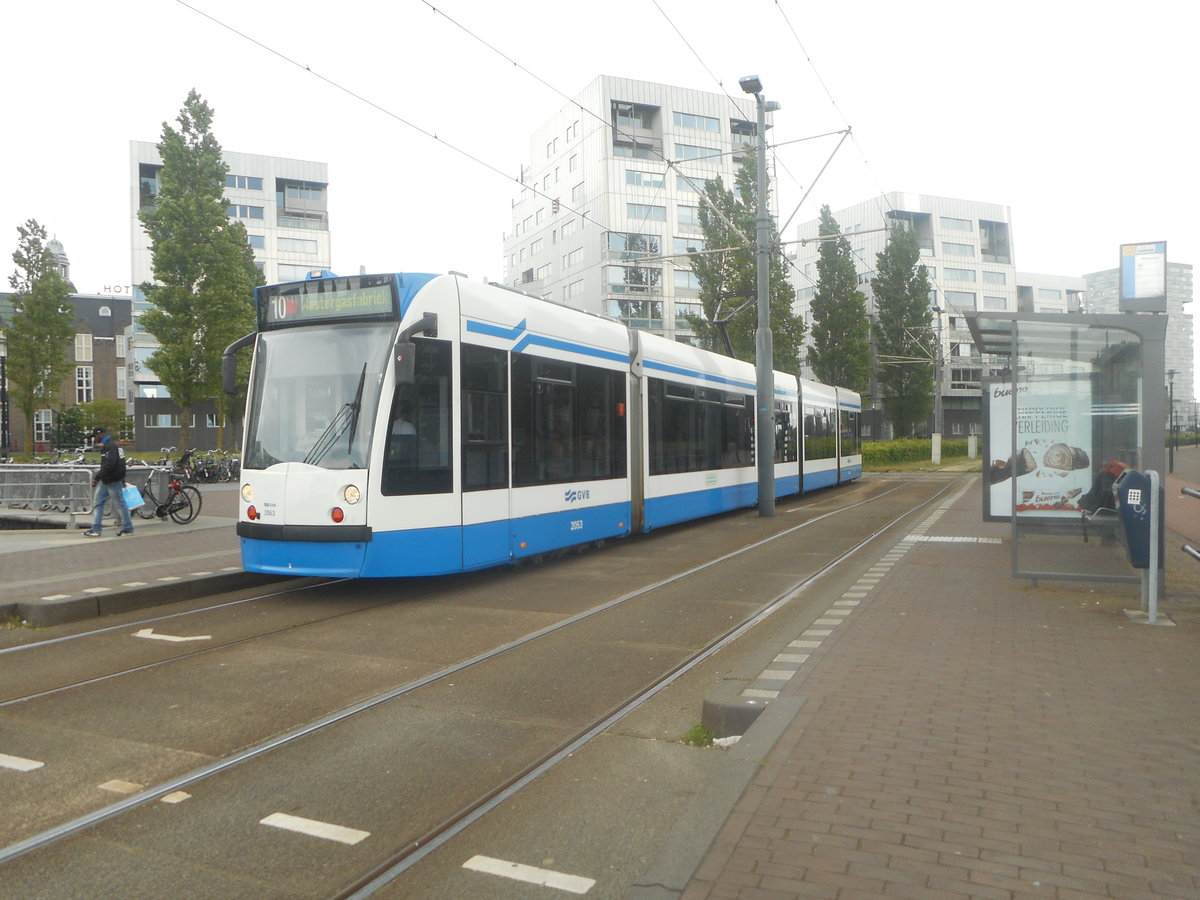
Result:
{"points": [[729, 279], [39, 334], [203, 267], [840, 352], [905, 337]]}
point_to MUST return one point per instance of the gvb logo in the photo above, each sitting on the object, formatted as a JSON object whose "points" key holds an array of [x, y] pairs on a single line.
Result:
{"points": [[572, 495]]}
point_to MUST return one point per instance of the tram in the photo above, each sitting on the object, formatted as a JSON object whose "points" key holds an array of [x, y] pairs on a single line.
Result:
{"points": [[418, 424]]}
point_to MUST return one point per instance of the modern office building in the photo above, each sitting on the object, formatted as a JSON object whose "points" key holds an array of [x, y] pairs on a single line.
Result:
{"points": [[1103, 296], [967, 248], [284, 205], [603, 221]]}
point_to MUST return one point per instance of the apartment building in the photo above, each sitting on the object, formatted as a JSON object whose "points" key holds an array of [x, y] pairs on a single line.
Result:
{"points": [[967, 248], [284, 205], [609, 203]]}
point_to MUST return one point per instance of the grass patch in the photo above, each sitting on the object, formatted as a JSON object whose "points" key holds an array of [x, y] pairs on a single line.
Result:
{"points": [[698, 736]]}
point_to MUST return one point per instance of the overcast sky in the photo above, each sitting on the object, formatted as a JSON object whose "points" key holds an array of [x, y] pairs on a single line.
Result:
{"points": [[1079, 116]]}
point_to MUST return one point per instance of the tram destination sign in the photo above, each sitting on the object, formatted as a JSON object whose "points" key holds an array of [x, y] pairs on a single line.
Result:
{"points": [[355, 298]]}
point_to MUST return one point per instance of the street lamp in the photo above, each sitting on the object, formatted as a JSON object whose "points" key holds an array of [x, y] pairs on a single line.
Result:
{"points": [[764, 374], [935, 439], [5, 435]]}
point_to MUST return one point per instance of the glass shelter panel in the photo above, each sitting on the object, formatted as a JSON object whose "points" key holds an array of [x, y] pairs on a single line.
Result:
{"points": [[1074, 418]]}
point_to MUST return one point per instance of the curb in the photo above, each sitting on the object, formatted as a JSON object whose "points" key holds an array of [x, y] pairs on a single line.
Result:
{"points": [[73, 609]]}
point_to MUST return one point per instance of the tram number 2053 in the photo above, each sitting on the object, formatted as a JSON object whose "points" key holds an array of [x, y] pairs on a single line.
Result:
{"points": [[577, 524]]}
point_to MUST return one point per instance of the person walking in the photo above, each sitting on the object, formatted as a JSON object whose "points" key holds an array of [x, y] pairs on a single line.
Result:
{"points": [[108, 481]]}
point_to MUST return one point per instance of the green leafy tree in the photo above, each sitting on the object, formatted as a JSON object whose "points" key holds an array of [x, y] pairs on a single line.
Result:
{"points": [[43, 322], [204, 273], [728, 280], [841, 331], [904, 331]]}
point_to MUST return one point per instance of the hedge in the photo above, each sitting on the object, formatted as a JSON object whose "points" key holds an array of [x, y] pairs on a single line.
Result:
{"points": [[908, 450]]}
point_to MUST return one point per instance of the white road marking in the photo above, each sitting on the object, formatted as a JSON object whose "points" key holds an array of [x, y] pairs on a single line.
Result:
{"points": [[135, 584], [120, 787], [176, 797], [313, 828], [97, 590], [56, 597], [149, 633], [20, 763], [574, 884]]}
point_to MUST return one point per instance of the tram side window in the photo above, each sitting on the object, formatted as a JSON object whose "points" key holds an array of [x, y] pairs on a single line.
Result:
{"points": [[418, 458], [785, 432], [698, 429], [820, 441], [568, 422], [850, 439], [485, 418]]}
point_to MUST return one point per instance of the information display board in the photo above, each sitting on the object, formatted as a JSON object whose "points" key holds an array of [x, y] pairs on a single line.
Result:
{"points": [[1144, 277]]}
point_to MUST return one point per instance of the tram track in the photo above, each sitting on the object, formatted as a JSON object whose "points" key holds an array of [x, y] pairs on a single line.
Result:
{"points": [[418, 847]]}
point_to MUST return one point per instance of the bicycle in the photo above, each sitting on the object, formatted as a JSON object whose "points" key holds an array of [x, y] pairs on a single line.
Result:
{"points": [[182, 502]]}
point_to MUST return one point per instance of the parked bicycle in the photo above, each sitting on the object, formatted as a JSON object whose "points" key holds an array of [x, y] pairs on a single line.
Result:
{"points": [[182, 501]]}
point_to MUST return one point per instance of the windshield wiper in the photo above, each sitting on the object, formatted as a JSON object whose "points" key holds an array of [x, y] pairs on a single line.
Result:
{"points": [[346, 419]]}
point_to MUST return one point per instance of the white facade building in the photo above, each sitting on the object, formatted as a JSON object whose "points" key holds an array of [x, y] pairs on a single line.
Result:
{"points": [[282, 202], [603, 221]]}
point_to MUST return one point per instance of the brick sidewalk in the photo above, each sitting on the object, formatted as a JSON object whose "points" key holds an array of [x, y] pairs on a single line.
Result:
{"points": [[966, 734]]}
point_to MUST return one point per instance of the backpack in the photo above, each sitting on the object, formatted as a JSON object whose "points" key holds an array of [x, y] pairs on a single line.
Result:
{"points": [[1100, 495]]}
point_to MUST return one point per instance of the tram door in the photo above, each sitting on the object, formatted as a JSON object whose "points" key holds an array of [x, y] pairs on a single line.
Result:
{"points": [[485, 495]]}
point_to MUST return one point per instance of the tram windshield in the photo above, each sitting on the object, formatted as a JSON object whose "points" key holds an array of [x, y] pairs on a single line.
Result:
{"points": [[315, 395]]}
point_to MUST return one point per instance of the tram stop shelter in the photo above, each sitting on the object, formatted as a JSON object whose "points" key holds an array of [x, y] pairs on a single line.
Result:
{"points": [[1077, 394]]}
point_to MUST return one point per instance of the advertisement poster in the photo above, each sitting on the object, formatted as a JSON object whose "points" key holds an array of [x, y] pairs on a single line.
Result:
{"points": [[1052, 463]]}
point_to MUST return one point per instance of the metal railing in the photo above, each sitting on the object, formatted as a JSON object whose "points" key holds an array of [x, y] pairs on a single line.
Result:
{"points": [[1188, 548]]}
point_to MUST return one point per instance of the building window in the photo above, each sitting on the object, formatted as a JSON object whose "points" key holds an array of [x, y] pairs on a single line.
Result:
{"points": [[241, 211], [551, 148], [539, 215], [646, 212], [257, 241], [949, 249], [687, 245], [122, 383], [574, 289], [1049, 294], [293, 273], [569, 227], [994, 303], [537, 246], [573, 131], [958, 274], [685, 279], [634, 279], [644, 179], [632, 115], [122, 346], [573, 163], [704, 123], [43, 426], [106, 311], [691, 151], [960, 299], [245, 182], [83, 348], [994, 278], [686, 184], [84, 392], [577, 193], [688, 215], [950, 224], [993, 241], [574, 258], [632, 245], [295, 245], [543, 272]]}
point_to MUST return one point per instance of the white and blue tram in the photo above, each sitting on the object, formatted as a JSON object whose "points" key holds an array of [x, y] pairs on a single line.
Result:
{"points": [[416, 424]]}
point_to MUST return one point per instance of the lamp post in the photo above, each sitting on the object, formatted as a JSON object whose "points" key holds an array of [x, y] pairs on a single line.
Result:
{"points": [[764, 438], [935, 442], [5, 434], [1171, 373]]}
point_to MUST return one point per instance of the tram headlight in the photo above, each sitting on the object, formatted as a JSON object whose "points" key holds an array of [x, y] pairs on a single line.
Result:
{"points": [[247, 492], [352, 494]]}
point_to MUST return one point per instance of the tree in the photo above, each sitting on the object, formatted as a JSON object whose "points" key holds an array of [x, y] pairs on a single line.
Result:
{"points": [[841, 331], [41, 328], [204, 273], [904, 341], [728, 280]]}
